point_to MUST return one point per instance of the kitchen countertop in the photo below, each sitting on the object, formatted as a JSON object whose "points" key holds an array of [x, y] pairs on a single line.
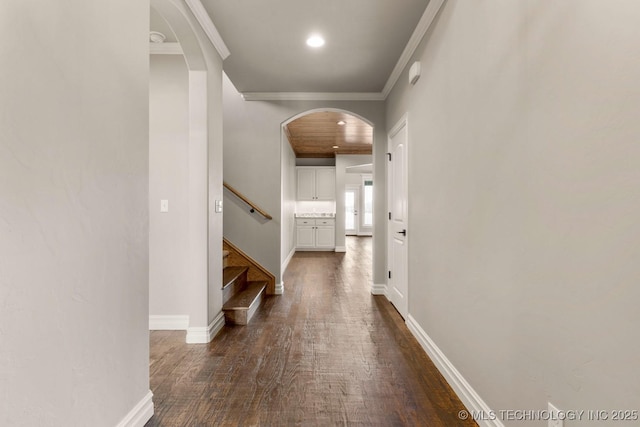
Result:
{"points": [[316, 215]]}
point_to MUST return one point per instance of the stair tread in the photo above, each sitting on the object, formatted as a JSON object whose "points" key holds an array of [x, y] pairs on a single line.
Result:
{"points": [[243, 299], [230, 274]]}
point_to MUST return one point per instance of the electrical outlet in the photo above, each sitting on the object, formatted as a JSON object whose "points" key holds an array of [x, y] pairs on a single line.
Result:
{"points": [[554, 416]]}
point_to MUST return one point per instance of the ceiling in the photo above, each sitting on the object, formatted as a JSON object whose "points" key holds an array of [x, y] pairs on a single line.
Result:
{"points": [[157, 23], [316, 135], [364, 40]]}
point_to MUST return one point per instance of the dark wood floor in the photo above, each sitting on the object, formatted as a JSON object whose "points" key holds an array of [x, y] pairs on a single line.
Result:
{"points": [[325, 353]]}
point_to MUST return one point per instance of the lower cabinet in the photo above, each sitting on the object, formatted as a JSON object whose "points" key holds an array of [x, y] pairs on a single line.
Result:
{"points": [[315, 234]]}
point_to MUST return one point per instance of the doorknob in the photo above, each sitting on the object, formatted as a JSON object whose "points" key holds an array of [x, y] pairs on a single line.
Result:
{"points": [[403, 232]]}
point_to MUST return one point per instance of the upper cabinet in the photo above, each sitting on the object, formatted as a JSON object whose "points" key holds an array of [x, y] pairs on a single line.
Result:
{"points": [[316, 183]]}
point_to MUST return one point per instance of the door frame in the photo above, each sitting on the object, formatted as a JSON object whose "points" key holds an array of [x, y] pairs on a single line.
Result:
{"points": [[402, 123], [364, 230], [356, 189]]}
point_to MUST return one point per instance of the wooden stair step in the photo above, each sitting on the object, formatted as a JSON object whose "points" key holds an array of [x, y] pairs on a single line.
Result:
{"points": [[234, 280], [231, 274], [243, 305]]}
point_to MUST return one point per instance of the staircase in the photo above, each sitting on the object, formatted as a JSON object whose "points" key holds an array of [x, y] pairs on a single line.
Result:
{"points": [[244, 285]]}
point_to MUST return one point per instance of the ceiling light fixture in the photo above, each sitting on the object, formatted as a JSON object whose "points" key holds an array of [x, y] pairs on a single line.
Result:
{"points": [[335, 146], [315, 41], [156, 37], [342, 123]]}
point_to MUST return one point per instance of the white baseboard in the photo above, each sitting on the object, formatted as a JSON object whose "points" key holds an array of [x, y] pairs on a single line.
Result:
{"points": [[378, 289], [168, 323], [341, 249], [204, 335], [140, 414], [286, 262], [279, 289], [216, 325], [462, 388]]}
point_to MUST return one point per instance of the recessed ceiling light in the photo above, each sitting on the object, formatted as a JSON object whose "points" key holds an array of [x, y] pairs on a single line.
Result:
{"points": [[335, 146], [342, 123], [315, 41]]}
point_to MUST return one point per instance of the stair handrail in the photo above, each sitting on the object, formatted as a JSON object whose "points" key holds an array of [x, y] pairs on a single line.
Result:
{"points": [[253, 206]]}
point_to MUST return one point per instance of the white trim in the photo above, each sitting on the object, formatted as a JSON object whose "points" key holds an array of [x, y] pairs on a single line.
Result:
{"points": [[279, 289], [423, 26], [312, 96], [378, 289], [204, 335], [165, 49], [341, 249], [462, 388], [287, 260], [216, 325], [140, 414], [210, 30], [168, 323]]}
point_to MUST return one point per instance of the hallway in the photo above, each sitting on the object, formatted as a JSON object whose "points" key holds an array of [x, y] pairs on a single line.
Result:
{"points": [[326, 352]]}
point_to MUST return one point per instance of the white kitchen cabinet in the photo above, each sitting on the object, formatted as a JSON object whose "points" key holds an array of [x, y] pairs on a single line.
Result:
{"points": [[316, 183], [315, 234], [306, 237]]}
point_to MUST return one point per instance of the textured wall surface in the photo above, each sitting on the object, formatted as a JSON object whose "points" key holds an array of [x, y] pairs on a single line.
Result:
{"points": [[73, 211], [524, 170], [168, 179]]}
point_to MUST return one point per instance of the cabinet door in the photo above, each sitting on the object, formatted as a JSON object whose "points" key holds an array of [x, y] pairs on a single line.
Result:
{"points": [[325, 237], [326, 184], [306, 184], [305, 237]]}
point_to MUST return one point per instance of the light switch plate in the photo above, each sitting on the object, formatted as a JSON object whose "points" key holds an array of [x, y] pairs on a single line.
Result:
{"points": [[164, 206]]}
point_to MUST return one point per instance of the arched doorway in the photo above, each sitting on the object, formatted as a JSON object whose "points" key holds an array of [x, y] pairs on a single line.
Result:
{"points": [[317, 137], [186, 236]]}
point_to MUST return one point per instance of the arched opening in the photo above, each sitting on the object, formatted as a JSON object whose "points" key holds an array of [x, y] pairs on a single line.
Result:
{"points": [[324, 138], [180, 138]]}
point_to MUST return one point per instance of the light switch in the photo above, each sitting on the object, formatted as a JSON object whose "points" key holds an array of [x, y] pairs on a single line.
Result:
{"points": [[218, 206], [164, 206]]}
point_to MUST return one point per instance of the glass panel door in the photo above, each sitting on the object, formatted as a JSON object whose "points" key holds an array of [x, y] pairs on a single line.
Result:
{"points": [[351, 211], [367, 220]]}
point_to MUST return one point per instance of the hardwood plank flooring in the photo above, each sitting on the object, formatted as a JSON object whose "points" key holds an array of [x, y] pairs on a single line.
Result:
{"points": [[326, 353]]}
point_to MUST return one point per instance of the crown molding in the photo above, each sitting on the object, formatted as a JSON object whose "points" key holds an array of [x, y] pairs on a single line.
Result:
{"points": [[421, 29], [210, 30], [312, 96], [165, 49]]}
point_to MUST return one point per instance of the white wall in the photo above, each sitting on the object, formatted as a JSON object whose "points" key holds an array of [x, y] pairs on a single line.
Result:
{"points": [[203, 278], [168, 179], [73, 211], [523, 215], [288, 244], [252, 159], [353, 179]]}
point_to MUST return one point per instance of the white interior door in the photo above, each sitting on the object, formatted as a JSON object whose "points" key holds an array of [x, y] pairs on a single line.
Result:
{"points": [[351, 204], [397, 285]]}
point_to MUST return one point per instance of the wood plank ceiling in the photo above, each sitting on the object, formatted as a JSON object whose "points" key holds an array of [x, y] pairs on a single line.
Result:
{"points": [[316, 134]]}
